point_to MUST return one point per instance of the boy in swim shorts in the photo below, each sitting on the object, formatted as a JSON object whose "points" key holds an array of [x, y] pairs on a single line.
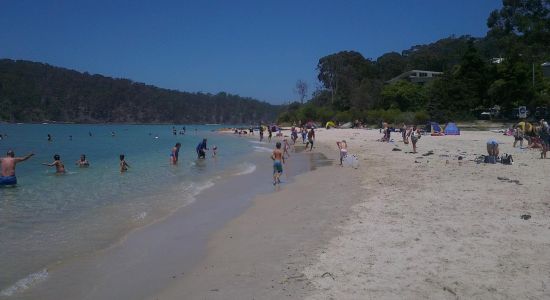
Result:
{"points": [[278, 161]]}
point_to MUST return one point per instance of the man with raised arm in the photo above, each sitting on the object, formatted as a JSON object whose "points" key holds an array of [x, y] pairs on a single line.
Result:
{"points": [[8, 167]]}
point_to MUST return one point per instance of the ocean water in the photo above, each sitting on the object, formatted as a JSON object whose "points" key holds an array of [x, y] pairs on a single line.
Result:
{"points": [[49, 219]]}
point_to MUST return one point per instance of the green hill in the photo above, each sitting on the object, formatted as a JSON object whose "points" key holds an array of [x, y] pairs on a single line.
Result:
{"points": [[35, 92]]}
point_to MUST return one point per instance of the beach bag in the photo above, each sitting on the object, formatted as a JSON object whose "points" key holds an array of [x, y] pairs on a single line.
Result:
{"points": [[490, 160], [506, 159]]}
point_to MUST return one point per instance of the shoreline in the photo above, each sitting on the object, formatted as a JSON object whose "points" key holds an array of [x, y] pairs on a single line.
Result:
{"points": [[180, 236], [260, 253]]}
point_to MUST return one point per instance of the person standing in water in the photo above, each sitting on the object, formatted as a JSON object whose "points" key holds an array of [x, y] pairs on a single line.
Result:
{"points": [[201, 149], [278, 161], [8, 164], [269, 134], [123, 164], [82, 162], [174, 155], [59, 166]]}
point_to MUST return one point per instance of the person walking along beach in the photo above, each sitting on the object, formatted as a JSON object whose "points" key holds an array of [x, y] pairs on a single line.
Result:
{"points": [[415, 136], [278, 161], [8, 164], [310, 139]]}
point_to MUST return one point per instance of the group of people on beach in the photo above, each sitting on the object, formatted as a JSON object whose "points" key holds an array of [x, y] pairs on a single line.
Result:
{"points": [[282, 149], [537, 136], [412, 132]]}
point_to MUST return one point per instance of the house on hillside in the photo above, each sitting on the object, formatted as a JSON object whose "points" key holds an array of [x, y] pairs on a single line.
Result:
{"points": [[416, 76]]}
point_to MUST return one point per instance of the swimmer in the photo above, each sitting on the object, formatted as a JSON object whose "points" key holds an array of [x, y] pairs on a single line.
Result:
{"points": [[123, 164], [278, 161], [174, 155], [59, 166], [82, 162], [8, 163], [343, 146], [49, 137]]}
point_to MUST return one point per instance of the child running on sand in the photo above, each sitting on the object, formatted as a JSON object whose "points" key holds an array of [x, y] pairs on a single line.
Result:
{"points": [[310, 139], [278, 161], [286, 146], [343, 146], [123, 164], [59, 166]]}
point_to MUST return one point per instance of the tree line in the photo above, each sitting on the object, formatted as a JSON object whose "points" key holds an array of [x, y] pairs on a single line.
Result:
{"points": [[503, 68], [37, 92]]}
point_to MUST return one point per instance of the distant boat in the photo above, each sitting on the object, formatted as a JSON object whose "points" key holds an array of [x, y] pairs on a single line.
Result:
{"points": [[45, 123]]}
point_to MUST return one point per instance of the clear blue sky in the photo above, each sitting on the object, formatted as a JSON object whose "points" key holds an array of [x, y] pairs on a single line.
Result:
{"points": [[252, 48]]}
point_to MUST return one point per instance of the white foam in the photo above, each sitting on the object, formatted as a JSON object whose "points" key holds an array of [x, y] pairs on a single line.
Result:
{"points": [[247, 169], [257, 142], [25, 283], [261, 149]]}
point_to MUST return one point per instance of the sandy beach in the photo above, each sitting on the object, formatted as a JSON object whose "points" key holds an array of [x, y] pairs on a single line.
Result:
{"points": [[402, 225]]}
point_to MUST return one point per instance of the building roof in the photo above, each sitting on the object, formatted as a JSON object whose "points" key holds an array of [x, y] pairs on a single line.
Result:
{"points": [[415, 76]]}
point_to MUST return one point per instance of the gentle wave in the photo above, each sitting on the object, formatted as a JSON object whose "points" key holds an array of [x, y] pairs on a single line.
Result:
{"points": [[25, 283], [248, 168], [261, 149]]}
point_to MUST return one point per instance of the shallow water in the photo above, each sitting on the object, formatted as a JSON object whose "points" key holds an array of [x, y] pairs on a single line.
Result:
{"points": [[48, 219]]}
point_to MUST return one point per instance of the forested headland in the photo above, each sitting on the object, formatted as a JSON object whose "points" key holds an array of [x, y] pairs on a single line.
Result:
{"points": [[502, 69], [37, 92]]}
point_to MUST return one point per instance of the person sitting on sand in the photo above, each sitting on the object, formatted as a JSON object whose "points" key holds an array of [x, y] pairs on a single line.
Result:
{"points": [[8, 163], [123, 164], [82, 162], [343, 146], [278, 161], [415, 136], [174, 155], [59, 166]]}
